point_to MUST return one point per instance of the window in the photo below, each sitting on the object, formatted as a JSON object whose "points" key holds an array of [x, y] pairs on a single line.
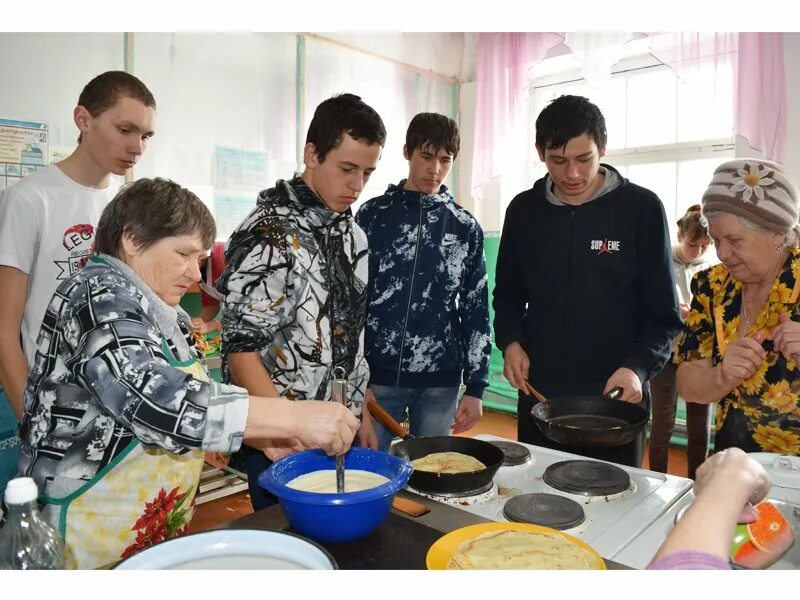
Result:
{"points": [[665, 134]]}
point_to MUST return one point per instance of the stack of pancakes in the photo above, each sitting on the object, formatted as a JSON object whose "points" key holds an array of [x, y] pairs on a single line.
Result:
{"points": [[515, 549]]}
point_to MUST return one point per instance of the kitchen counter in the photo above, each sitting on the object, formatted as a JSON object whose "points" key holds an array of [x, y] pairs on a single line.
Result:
{"points": [[401, 542]]}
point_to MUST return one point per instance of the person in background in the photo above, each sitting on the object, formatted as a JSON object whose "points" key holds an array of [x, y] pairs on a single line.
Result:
{"points": [[295, 284], [119, 407], [727, 487], [428, 317], [584, 297], [688, 257], [211, 267], [741, 340], [47, 224]]}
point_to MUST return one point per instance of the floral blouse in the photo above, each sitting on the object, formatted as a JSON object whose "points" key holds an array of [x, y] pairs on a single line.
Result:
{"points": [[766, 403]]}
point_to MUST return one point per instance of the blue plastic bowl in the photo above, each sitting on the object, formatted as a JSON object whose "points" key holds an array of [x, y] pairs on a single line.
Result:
{"points": [[336, 518]]}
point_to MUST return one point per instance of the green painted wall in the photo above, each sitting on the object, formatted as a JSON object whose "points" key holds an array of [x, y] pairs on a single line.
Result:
{"points": [[500, 395]]}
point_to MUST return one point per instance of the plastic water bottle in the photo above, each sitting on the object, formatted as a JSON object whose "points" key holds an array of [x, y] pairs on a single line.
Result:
{"points": [[27, 541]]}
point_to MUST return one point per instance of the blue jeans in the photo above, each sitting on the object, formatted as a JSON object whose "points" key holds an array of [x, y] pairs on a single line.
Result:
{"points": [[255, 463], [9, 442], [430, 410]]}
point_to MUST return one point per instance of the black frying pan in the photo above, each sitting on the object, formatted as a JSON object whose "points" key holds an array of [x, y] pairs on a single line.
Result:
{"points": [[411, 448], [590, 421]]}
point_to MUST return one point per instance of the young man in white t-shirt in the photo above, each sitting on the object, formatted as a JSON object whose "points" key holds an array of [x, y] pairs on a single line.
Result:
{"points": [[47, 220]]}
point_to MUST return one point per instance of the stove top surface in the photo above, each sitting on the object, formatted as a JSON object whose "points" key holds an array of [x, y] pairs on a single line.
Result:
{"points": [[611, 518], [547, 510], [514, 453], [483, 494], [587, 477]]}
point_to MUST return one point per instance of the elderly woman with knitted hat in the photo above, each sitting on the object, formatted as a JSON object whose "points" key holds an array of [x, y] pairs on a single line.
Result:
{"points": [[741, 344]]}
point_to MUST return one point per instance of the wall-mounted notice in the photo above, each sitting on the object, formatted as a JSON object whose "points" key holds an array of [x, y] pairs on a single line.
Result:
{"points": [[23, 149], [236, 169], [230, 211]]}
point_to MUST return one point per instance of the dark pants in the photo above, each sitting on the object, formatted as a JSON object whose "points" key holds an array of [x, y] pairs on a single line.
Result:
{"points": [[255, 463], [698, 419], [629, 454], [735, 433]]}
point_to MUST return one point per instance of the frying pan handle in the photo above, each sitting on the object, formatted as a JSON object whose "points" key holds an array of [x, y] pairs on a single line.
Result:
{"points": [[615, 393], [386, 419]]}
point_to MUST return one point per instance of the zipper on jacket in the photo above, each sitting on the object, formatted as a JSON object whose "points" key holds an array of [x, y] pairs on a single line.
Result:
{"points": [[410, 294], [332, 300]]}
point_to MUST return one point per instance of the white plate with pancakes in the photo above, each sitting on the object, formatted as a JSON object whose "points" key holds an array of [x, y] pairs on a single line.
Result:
{"points": [[511, 546]]}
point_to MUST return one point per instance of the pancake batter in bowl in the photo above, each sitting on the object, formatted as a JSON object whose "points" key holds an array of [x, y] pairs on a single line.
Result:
{"points": [[324, 481]]}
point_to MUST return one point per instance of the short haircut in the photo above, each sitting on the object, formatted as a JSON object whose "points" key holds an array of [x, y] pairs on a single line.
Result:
{"points": [[691, 225], [344, 113], [433, 129], [103, 92], [568, 117], [150, 210]]}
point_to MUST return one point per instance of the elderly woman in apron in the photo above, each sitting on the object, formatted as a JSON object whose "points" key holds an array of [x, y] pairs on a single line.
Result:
{"points": [[119, 408]]}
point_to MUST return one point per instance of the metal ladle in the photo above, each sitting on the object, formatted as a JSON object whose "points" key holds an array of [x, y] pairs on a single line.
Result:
{"points": [[339, 394]]}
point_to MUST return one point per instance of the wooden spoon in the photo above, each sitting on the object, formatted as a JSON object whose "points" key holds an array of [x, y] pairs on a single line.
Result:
{"points": [[532, 391]]}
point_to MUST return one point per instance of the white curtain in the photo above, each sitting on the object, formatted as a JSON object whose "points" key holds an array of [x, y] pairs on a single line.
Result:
{"points": [[597, 53]]}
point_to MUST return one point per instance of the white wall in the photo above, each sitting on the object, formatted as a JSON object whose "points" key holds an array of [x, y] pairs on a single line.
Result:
{"points": [[42, 75], [235, 90], [466, 127], [437, 52], [217, 89]]}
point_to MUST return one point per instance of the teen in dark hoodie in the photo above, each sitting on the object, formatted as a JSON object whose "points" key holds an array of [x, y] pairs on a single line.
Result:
{"points": [[428, 317], [584, 298]]}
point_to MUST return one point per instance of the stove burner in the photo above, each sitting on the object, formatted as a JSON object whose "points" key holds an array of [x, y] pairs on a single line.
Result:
{"points": [[587, 478], [468, 494], [513, 454], [478, 497], [547, 510]]}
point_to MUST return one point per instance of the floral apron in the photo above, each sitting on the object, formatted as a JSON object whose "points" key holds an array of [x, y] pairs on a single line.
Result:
{"points": [[144, 496]]}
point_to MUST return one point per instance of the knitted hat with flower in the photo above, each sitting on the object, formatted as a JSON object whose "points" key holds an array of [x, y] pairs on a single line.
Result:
{"points": [[758, 190]]}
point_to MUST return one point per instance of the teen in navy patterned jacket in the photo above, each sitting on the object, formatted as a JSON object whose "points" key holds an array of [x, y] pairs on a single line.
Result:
{"points": [[428, 316]]}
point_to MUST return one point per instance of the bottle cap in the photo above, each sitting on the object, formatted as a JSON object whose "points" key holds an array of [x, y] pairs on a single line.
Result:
{"points": [[21, 490]]}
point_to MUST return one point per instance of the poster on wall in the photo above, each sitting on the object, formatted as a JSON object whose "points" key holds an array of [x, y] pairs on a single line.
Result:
{"points": [[239, 175], [23, 149], [237, 169], [230, 210]]}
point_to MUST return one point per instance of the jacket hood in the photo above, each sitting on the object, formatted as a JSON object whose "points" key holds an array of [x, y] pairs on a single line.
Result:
{"points": [[443, 195], [612, 182], [297, 195]]}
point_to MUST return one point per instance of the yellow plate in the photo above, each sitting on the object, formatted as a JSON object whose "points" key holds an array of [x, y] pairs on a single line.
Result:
{"points": [[439, 554]]}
